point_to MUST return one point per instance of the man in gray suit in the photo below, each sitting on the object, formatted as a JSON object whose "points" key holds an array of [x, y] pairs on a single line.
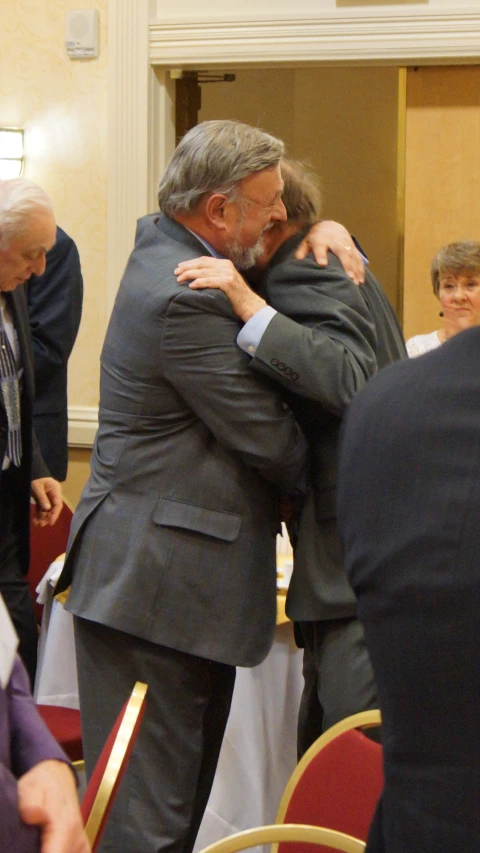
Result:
{"points": [[172, 548], [321, 337]]}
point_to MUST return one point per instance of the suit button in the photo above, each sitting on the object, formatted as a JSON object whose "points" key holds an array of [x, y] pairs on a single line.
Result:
{"points": [[281, 365], [294, 375], [274, 362]]}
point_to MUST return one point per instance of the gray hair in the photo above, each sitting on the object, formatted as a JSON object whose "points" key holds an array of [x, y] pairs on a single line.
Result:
{"points": [[212, 158], [301, 193], [19, 199], [461, 258]]}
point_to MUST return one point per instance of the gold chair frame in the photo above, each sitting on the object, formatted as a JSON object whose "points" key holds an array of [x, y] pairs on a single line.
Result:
{"points": [[115, 760], [276, 833]]}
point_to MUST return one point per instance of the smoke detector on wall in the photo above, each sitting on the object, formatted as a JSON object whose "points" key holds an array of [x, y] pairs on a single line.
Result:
{"points": [[81, 33]]}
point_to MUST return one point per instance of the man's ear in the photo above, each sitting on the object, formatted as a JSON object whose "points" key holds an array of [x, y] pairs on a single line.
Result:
{"points": [[215, 210]]}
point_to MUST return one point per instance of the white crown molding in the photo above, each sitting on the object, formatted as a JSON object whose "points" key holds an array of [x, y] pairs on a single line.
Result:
{"points": [[343, 35], [82, 425]]}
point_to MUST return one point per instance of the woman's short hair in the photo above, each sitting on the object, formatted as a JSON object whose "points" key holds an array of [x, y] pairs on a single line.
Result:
{"points": [[213, 157], [19, 199], [461, 258], [301, 192]]}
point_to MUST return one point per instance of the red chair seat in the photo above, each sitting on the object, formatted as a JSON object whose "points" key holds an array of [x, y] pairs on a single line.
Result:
{"points": [[337, 783], [64, 724]]}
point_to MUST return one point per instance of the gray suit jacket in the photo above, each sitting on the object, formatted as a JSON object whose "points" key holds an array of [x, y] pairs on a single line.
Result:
{"points": [[174, 537], [341, 335]]}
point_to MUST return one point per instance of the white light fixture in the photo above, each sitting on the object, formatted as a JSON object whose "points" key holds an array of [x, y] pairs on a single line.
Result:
{"points": [[11, 152]]}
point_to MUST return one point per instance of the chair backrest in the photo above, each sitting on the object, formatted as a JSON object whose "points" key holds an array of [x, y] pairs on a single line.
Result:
{"points": [[308, 835], [338, 781], [111, 765], [46, 543]]}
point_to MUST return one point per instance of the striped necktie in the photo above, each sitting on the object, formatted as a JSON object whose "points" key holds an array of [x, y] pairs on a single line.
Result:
{"points": [[11, 398]]}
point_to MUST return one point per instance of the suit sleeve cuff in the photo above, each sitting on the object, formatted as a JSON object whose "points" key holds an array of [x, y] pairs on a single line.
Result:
{"points": [[250, 336]]}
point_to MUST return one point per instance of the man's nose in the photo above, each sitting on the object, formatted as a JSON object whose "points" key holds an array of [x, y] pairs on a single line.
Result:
{"points": [[279, 214], [38, 265]]}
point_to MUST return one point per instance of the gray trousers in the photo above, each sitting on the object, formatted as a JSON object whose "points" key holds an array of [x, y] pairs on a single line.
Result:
{"points": [[160, 803], [337, 673]]}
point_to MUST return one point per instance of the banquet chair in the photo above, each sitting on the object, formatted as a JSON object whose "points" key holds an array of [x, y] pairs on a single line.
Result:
{"points": [[65, 726], [338, 781], [111, 765], [286, 832], [46, 543]]}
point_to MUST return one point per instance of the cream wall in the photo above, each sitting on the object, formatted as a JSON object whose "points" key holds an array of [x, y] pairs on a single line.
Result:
{"points": [[62, 105]]}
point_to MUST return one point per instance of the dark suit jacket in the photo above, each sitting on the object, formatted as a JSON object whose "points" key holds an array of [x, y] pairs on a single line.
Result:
{"points": [[32, 465], [409, 498], [55, 309], [341, 335], [174, 536], [24, 742]]}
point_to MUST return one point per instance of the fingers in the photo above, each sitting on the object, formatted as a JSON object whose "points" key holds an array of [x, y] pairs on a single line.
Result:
{"points": [[201, 267], [201, 273], [352, 262], [47, 494], [304, 249]]}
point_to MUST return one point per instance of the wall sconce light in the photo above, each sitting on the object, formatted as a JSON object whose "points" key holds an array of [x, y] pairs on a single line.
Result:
{"points": [[11, 152]]}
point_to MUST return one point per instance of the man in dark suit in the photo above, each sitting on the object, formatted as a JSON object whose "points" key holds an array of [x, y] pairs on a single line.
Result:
{"points": [[55, 310], [409, 498], [27, 232], [172, 547], [321, 337]]}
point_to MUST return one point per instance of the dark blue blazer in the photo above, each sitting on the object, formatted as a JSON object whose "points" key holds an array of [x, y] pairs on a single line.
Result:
{"points": [[409, 508], [55, 309]]}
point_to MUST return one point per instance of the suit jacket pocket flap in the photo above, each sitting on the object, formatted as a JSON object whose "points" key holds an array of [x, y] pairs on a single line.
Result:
{"points": [[325, 504], [211, 522]]}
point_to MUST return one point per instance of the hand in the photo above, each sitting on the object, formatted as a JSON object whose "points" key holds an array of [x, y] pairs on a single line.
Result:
{"points": [[221, 275], [47, 494], [332, 236], [47, 798]]}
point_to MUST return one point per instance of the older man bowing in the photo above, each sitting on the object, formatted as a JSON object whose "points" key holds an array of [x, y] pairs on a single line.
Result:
{"points": [[27, 232]]}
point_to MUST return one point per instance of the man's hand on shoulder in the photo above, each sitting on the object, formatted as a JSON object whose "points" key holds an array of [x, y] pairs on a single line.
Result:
{"points": [[207, 272], [47, 494], [47, 798], [331, 236]]}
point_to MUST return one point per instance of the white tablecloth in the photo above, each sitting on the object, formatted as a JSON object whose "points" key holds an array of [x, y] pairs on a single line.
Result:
{"points": [[56, 679], [259, 749]]}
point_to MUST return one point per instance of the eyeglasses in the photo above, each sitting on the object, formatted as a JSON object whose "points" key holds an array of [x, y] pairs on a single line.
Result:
{"points": [[267, 207]]}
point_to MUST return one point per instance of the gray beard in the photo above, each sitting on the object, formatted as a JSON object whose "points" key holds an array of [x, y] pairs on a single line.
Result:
{"points": [[243, 258]]}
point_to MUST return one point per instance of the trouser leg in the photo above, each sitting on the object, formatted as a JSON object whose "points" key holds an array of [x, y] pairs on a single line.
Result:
{"points": [[310, 715], [13, 582], [161, 801], [336, 653]]}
